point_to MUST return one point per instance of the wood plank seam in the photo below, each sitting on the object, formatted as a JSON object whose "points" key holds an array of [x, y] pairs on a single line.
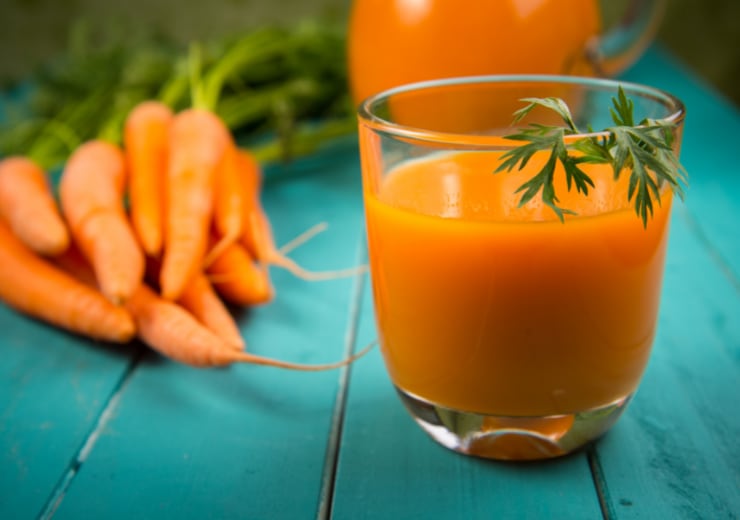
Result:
{"points": [[696, 229], [88, 444], [599, 479], [328, 477]]}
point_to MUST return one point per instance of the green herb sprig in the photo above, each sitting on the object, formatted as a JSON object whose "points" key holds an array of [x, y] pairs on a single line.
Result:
{"points": [[643, 149]]}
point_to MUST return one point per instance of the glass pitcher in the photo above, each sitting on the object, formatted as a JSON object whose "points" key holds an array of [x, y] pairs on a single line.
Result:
{"points": [[393, 42]]}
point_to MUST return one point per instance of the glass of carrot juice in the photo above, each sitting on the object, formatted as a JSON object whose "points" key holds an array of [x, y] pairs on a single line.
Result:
{"points": [[516, 310]]}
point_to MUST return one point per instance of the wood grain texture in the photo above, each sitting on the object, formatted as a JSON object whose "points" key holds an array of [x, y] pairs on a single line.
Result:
{"points": [[53, 388], [675, 452]]}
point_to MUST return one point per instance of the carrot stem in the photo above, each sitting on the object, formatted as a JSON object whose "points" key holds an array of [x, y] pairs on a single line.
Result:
{"points": [[195, 61]]}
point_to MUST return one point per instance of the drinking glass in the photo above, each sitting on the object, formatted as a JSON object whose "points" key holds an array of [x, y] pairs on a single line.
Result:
{"points": [[508, 332]]}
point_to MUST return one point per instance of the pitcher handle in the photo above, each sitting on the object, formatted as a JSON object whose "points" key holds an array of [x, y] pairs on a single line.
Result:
{"points": [[618, 48]]}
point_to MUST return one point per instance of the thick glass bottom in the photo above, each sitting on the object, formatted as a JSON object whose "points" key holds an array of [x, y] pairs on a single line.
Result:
{"points": [[512, 438]]}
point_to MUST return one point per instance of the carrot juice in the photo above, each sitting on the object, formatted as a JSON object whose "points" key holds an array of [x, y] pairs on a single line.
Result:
{"points": [[489, 308], [393, 42]]}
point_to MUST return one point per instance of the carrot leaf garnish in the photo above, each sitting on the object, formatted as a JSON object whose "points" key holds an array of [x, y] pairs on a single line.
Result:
{"points": [[643, 149]]}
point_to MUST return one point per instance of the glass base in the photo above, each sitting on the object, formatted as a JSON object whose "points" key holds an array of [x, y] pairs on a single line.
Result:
{"points": [[512, 438]]}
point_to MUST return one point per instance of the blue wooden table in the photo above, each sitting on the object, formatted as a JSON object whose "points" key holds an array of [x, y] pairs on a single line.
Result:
{"points": [[94, 431]]}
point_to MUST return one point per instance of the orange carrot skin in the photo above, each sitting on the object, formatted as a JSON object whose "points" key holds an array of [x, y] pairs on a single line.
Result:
{"points": [[198, 139], [239, 279], [258, 236], [33, 286], [91, 194], [146, 142], [172, 331], [73, 262], [27, 205], [229, 194], [256, 230], [201, 300]]}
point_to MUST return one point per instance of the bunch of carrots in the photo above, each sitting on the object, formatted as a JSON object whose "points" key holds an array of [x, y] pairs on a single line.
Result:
{"points": [[151, 235]]}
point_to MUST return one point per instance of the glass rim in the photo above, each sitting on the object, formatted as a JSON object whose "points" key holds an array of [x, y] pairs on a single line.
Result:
{"points": [[367, 117]]}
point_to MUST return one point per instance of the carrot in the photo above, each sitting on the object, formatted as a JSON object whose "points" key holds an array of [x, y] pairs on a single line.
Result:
{"points": [[256, 231], [198, 139], [35, 287], [272, 255], [73, 262], [146, 141], [172, 331], [257, 235], [238, 278], [201, 300], [91, 193], [229, 202], [27, 205]]}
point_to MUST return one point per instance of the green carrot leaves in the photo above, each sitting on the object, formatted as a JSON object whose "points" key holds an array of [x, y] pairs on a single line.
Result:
{"points": [[270, 85], [645, 150]]}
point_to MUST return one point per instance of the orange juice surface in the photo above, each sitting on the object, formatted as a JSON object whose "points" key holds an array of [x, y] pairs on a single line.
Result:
{"points": [[489, 308]]}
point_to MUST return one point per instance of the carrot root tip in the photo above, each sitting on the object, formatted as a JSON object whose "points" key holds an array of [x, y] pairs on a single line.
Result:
{"points": [[297, 270], [244, 357], [303, 238]]}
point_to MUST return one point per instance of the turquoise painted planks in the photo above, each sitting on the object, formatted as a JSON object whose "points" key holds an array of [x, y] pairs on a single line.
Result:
{"points": [[53, 386], [389, 468], [709, 153], [243, 442], [675, 453]]}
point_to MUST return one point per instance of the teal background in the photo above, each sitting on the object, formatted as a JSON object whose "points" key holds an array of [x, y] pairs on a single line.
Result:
{"points": [[704, 35]]}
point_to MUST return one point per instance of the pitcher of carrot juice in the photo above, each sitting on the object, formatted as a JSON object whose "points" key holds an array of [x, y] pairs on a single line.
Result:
{"points": [[394, 42]]}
